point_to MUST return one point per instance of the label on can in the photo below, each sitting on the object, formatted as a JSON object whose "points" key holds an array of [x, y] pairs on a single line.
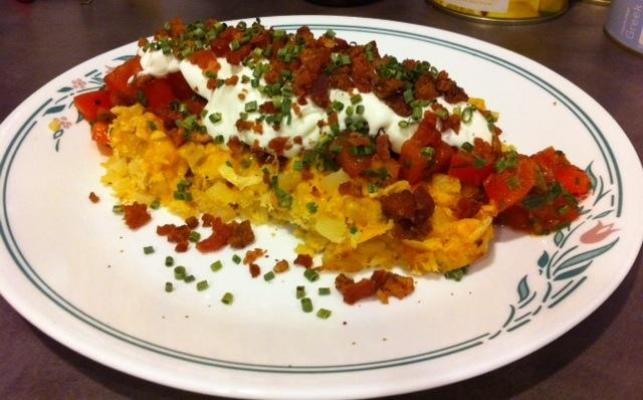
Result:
{"points": [[625, 23], [498, 6]]}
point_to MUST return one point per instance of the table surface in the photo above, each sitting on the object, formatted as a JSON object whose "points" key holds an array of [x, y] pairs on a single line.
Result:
{"points": [[599, 358]]}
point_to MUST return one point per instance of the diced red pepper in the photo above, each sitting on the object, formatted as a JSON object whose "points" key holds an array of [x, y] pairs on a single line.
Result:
{"points": [[91, 105], [508, 187]]}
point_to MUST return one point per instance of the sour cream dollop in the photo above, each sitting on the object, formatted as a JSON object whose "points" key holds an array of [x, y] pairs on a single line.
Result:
{"points": [[230, 101]]}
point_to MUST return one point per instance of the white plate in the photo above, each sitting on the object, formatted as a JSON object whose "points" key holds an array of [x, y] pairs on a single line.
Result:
{"points": [[73, 269]]}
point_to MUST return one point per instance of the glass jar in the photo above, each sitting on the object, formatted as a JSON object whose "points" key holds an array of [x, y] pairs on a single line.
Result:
{"points": [[504, 10]]}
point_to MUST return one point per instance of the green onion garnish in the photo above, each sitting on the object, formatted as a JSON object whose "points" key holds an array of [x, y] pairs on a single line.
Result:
{"points": [[236, 259], [180, 272], [169, 287], [323, 313], [306, 304], [311, 275], [356, 98], [403, 124], [215, 117], [155, 204], [359, 109], [323, 291], [219, 139], [117, 209], [466, 146], [169, 261], [301, 292], [227, 298], [312, 207], [148, 250], [268, 276], [467, 115], [202, 285], [215, 266], [194, 236], [337, 105], [189, 279], [251, 106]]}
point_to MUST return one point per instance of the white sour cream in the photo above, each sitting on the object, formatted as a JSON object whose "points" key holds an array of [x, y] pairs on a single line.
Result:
{"points": [[230, 100]]}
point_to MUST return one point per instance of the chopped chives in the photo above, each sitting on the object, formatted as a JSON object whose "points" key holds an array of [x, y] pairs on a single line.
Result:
{"points": [[312, 207], [311, 275], [403, 124], [219, 139], [180, 272], [194, 236], [337, 105], [169, 287], [189, 279], [466, 146], [215, 117], [227, 298], [202, 285], [215, 266], [323, 291], [155, 204], [301, 292], [268, 276], [234, 45], [356, 98], [359, 109], [306, 305], [236, 259], [408, 95], [467, 115], [169, 261], [117, 209], [251, 106], [323, 313], [148, 249]]}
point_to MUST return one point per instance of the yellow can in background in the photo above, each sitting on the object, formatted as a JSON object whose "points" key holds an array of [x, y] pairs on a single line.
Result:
{"points": [[514, 11]]}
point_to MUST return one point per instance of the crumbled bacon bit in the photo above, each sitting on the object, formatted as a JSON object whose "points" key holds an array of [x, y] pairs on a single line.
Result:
{"points": [[218, 239], [381, 284], [253, 255], [279, 144], [351, 188], [181, 247], [192, 222], [241, 235], [281, 266], [136, 215], [232, 80], [410, 211], [304, 260], [254, 270], [93, 197]]}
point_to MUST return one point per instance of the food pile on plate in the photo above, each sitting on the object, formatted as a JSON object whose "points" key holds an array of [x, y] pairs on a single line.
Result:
{"points": [[372, 162]]}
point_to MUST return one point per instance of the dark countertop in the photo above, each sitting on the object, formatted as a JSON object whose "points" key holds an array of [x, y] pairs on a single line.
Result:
{"points": [[600, 358]]}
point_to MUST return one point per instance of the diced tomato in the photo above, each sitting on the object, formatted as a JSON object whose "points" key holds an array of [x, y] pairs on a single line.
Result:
{"points": [[554, 165], [470, 168], [573, 179], [100, 134], [159, 95], [91, 105], [511, 185], [118, 81], [180, 86]]}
